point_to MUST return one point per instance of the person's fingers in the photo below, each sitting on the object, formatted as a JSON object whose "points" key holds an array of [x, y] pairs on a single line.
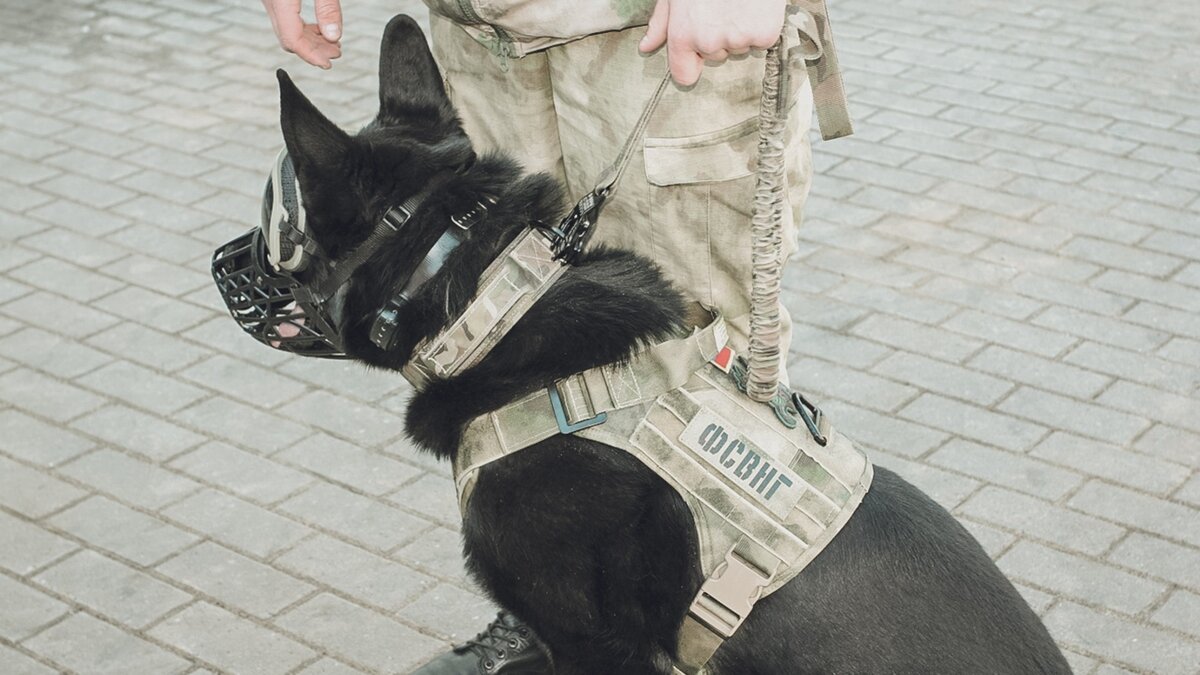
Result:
{"points": [[656, 31], [329, 18], [716, 56], [313, 48], [685, 64]]}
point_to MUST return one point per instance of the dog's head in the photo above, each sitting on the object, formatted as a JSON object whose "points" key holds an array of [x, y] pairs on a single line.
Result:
{"points": [[372, 206]]}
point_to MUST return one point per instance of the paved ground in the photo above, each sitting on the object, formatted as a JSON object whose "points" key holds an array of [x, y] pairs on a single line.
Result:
{"points": [[999, 296]]}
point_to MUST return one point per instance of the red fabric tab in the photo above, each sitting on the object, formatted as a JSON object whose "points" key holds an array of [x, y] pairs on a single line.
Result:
{"points": [[723, 359]]}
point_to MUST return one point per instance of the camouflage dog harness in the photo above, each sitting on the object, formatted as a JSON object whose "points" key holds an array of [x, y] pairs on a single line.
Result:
{"points": [[768, 484]]}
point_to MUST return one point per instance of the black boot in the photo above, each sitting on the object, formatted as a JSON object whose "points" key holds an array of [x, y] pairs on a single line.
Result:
{"points": [[506, 647]]}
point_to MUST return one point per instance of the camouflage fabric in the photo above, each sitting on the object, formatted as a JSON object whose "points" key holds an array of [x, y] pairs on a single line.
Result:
{"points": [[685, 201], [515, 28], [518, 277], [766, 497]]}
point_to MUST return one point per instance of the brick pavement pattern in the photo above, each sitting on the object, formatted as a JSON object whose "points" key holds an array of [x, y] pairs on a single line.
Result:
{"points": [[998, 295]]}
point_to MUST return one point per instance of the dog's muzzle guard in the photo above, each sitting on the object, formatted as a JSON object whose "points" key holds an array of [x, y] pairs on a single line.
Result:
{"points": [[259, 273]]}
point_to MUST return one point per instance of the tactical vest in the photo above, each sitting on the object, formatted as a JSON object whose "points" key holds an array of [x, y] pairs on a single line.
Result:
{"points": [[768, 484]]}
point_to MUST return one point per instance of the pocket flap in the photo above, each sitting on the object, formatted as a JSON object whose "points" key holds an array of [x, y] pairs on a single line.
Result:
{"points": [[720, 155]]}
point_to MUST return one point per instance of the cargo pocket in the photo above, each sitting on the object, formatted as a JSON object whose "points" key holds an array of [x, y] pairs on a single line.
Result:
{"points": [[701, 198], [702, 201]]}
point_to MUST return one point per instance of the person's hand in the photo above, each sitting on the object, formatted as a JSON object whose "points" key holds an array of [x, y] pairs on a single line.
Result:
{"points": [[696, 31], [317, 43]]}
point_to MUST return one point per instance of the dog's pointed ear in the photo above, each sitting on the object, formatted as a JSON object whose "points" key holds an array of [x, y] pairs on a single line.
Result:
{"points": [[409, 80], [311, 139]]}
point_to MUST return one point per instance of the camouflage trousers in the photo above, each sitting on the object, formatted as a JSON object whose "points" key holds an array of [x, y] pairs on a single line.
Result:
{"points": [[685, 200]]}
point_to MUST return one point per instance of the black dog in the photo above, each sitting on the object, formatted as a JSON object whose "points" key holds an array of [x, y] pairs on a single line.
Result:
{"points": [[591, 548]]}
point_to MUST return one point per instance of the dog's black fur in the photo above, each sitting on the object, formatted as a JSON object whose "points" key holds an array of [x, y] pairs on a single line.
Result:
{"points": [[581, 540]]}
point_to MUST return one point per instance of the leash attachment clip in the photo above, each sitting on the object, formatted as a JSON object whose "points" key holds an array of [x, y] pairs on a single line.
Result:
{"points": [[568, 239]]}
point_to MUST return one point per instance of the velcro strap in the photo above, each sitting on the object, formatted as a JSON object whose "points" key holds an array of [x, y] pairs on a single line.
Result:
{"points": [[824, 71], [510, 285]]}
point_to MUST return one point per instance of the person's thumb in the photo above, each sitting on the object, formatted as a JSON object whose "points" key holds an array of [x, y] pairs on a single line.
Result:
{"points": [[656, 32], [329, 18]]}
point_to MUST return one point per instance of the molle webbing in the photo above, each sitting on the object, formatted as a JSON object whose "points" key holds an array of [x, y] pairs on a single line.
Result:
{"points": [[582, 397], [509, 286]]}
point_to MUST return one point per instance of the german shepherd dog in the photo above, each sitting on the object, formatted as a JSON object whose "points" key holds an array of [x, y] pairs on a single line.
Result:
{"points": [[592, 549]]}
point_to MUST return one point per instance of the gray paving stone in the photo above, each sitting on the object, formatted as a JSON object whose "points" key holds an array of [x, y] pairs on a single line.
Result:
{"points": [[1042, 520], [1009, 333], [237, 523], [343, 462], [31, 493], [130, 534], [1038, 262], [52, 353], [1136, 367], [973, 422], [1121, 640], [131, 480], [1042, 373], [364, 520], [1183, 411], [257, 386], [112, 589], [1100, 329], [1140, 511], [344, 417], [25, 547], [1061, 412], [36, 442], [142, 388], [153, 309], [328, 666], [835, 347], [235, 580], [242, 424], [231, 642], [16, 663], [83, 643], [1069, 294], [1170, 443], [147, 346], [916, 338], [1014, 471], [44, 396], [250, 476], [1111, 462], [366, 577], [932, 375], [437, 552], [1180, 612], [359, 635], [432, 496], [451, 612], [1080, 578], [823, 378], [25, 610], [66, 279], [137, 432], [1159, 558], [46, 311]]}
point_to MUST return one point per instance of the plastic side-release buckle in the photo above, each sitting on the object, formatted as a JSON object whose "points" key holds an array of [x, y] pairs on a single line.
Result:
{"points": [[726, 598]]}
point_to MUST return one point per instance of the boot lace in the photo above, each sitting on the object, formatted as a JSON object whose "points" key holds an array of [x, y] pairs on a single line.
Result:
{"points": [[496, 641]]}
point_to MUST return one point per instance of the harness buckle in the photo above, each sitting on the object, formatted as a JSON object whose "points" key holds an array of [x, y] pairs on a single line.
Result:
{"points": [[396, 217], [812, 417], [726, 598], [565, 426]]}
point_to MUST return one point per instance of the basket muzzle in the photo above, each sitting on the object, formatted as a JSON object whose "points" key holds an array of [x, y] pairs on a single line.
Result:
{"points": [[272, 307]]}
